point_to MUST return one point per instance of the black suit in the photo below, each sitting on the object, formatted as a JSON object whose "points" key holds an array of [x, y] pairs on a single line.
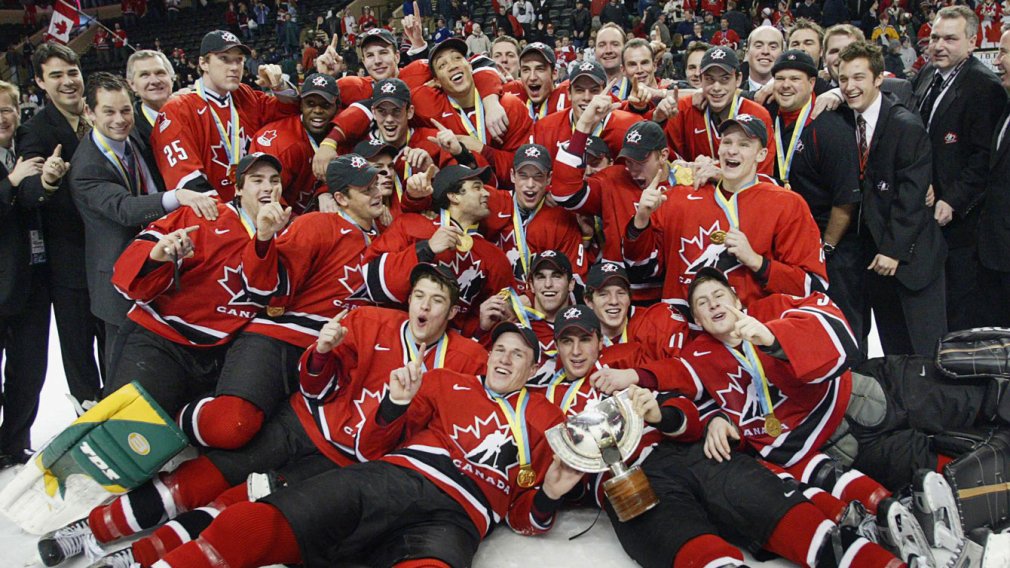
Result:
{"points": [[64, 237], [908, 307], [24, 318], [994, 230], [142, 127], [113, 216], [960, 132]]}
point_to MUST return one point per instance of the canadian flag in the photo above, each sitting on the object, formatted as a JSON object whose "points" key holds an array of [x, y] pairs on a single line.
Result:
{"points": [[65, 17]]}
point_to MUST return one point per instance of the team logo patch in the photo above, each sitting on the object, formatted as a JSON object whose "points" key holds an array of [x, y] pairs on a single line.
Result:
{"points": [[572, 313], [358, 162], [719, 54], [388, 88], [633, 137], [791, 57], [375, 142], [587, 66], [882, 186], [950, 138], [267, 138], [229, 37], [164, 123], [533, 152], [744, 117], [548, 254], [319, 81], [609, 267]]}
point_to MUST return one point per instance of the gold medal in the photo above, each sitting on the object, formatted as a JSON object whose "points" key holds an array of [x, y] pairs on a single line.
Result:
{"points": [[231, 174], [772, 425], [789, 187], [683, 176], [275, 311], [527, 477], [718, 237], [465, 243]]}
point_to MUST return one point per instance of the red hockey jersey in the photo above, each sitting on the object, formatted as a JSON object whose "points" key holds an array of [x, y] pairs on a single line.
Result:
{"points": [[459, 438], [660, 329], [555, 130], [809, 387], [189, 146], [777, 223], [689, 137], [334, 404], [288, 141], [220, 288], [320, 256], [557, 101]]}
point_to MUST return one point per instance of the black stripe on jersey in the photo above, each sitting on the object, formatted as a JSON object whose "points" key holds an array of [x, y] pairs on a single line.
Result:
{"points": [[323, 426], [646, 272], [842, 332], [375, 281], [147, 237], [575, 200], [292, 319], [192, 335], [805, 431], [249, 294], [443, 465]]}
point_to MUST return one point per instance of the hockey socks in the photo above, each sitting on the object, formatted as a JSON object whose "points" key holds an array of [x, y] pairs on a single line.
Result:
{"points": [[707, 550], [225, 422], [245, 534], [421, 563], [854, 485], [805, 537], [193, 484]]}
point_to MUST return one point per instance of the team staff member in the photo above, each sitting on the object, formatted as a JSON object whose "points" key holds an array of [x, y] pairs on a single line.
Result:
{"points": [[903, 250], [693, 132], [431, 501], [293, 139], [762, 236], [195, 283], [764, 45], [818, 158], [960, 101], [610, 40], [200, 137], [150, 75]]}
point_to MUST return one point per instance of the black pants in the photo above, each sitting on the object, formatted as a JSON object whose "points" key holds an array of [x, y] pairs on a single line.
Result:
{"points": [[995, 292], [964, 307], [24, 343], [259, 369], [79, 331], [909, 322], [845, 285], [377, 514]]}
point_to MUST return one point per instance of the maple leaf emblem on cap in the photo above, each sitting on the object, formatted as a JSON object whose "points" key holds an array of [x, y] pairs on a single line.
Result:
{"points": [[744, 118], [572, 313], [230, 37], [319, 81], [388, 88], [538, 45], [374, 31], [587, 66], [548, 254], [533, 152], [375, 142], [719, 54], [609, 267], [358, 162], [633, 137]]}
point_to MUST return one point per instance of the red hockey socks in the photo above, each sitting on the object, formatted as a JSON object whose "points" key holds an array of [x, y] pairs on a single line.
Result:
{"points": [[185, 528], [705, 550], [225, 422], [854, 485], [832, 507], [799, 534], [421, 563]]}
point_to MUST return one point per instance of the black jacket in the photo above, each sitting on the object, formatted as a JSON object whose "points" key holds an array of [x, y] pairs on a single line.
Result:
{"points": [[16, 272], [994, 215]]}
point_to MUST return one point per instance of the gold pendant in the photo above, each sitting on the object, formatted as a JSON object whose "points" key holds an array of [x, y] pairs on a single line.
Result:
{"points": [[683, 176], [275, 311], [465, 243], [789, 186], [718, 237], [772, 425], [527, 477]]}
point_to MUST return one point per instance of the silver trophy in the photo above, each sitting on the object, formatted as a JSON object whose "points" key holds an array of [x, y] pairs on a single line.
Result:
{"points": [[601, 438]]}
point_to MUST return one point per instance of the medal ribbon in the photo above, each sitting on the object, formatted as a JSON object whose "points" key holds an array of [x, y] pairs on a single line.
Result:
{"points": [[537, 114], [232, 146], [709, 127], [368, 239], [445, 219], [441, 348], [570, 394], [149, 113], [519, 232], [522, 311], [597, 130], [135, 180], [517, 422], [407, 171], [607, 342], [784, 156], [730, 206], [750, 363], [480, 130], [247, 221], [312, 141], [623, 89]]}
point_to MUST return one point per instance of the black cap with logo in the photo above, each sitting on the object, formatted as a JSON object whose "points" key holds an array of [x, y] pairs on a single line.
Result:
{"points": [[378, 34], [349, 170], [453, 43], [250, 160], [603, 273], [529, 338], [591, 69], [576, 317], [795, 59], [372, 147], [393, 90], [642, 138], [532, 154], [722, 57], [441, 273], [541, 49], [450, 175], [596, 147], [218, 41], [550, 259], [752, 126], [321, 84]]}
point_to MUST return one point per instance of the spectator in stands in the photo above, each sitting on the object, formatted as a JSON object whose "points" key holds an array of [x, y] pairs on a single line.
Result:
{"points": [[714, 7], [582, 23], [478, 43], [615, 12], [662, 29], [288, 36], [262, 14], [119, 42], [102, 45], [243, 21], [442, 31], [738, 21], [709, 25], [309, 54], [350, 25], [697, 35], [501, 21], [28, 107], [172, 9], [726, 36], [367, 20], [231, 19], [129, 13], [883, 32], [524, 13], [808, 9], [450, 11], [892, 59]]}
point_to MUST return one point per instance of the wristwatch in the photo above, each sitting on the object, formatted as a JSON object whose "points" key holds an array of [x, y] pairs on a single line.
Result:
{"points": [[829, 249]]}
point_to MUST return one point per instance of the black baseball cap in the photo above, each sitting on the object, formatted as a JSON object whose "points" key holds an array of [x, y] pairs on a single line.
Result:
{"points": [[321, 84], [795, 59], [541, 49], [348, 170], [578, 317], [596, 147], [218, 41], [591, 69], [440, 272], [448, 176], [642, 137], [552, 259], [372, 147], [722, 57], [532, 154], [450, 43], [378, 34], [393, 90], [703, 274], [250, 160], [752, 126], [526, 333], [606, 272]]}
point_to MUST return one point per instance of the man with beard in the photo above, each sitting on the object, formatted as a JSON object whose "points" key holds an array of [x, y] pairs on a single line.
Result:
{"points": [[293, 140], [150, 75]]}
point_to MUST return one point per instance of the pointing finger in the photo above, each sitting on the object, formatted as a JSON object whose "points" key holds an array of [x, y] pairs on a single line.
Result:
{"points": [[190, 229], [438, 125], [341, 315], [58, 151]]}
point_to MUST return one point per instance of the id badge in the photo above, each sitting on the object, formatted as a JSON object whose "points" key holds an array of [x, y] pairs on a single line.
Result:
{"points": [[38, 244]]}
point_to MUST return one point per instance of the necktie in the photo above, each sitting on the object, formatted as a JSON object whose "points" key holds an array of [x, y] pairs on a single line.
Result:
{"points": [[82, 128], [131, 170], [864, 144], [926, 109]]}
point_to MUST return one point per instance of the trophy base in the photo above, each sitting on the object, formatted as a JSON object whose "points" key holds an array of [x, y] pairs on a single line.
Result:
{"points": [[630, 494]]}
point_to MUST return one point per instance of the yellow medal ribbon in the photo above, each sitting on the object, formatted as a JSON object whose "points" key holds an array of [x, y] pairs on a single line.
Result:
{"points": [[573, 390], [233, 144], [784, 156], [596, 131], [709, 127], [364, 233], [730, 206], [480, 130], [519, 234], [247, 222], [136, 180], [607, 342], [752, 364], [149, 113], [441, 348], [537, 114], [517, 424]]}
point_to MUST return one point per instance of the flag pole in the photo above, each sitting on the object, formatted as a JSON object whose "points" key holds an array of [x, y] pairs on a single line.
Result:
{"points": [[95, 20]]}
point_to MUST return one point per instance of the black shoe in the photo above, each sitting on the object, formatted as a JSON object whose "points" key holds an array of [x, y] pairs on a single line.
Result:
{"points": [[20, 457]]}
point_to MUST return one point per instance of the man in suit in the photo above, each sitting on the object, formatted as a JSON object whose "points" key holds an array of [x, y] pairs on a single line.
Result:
{"points": [[118, 190], [960, 101], [53, 134], [994, 223], [150, 75], [837, 38], [24, 306], [904, 250]]}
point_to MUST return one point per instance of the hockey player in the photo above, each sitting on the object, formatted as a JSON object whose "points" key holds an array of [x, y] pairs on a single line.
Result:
{"points": [[200, 137], [293, 140], [343, 378], [693, 132], [759, 234], [474, 454], [586, 83], [537, 75], [196, 283]]}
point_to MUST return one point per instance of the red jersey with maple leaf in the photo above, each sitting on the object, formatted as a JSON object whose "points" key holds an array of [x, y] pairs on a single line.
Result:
{"points": [[778, 224], [220, 288], [808, 382], [661, 330], [335, 403], [459, 438], [288, 141], [557, 101], [189, 147], [320, 259], [555, 130], [690, 137]]}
